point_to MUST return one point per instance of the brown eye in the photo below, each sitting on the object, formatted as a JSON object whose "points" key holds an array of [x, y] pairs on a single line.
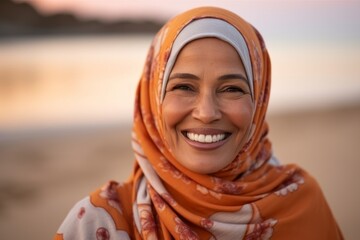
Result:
{"points": [[233, 89], [182, 87]]}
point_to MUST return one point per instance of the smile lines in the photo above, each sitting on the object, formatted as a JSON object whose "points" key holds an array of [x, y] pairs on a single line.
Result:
{"points": [[202, 138]]}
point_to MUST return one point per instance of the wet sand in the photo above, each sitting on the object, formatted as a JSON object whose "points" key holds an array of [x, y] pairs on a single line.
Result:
{"points": [[43, 175]]}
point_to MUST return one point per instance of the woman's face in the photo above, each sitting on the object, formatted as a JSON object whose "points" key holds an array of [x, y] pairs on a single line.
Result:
{"points": [[207, 108]]}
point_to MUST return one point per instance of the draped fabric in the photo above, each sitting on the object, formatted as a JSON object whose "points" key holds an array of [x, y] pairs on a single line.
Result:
{"points": [[252, 198]]}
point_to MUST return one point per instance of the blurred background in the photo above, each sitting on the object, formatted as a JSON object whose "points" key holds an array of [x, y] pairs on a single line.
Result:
{"points": [[68, 72]]}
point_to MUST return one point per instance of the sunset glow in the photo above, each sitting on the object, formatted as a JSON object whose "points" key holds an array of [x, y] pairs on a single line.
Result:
{"points": [[163, 9]]}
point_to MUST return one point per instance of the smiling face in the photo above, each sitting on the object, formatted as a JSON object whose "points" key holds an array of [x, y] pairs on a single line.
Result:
{"points": [[207, 107]]}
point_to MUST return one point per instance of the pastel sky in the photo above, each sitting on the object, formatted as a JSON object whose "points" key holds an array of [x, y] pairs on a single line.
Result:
{"points": [[292, 18], [163, 9]]}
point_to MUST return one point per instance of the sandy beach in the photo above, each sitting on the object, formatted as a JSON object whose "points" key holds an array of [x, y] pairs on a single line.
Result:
{"points": [[44, 174]]}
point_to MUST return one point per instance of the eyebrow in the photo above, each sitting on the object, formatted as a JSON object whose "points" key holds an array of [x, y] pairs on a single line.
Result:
{"points": [[184, 76], [224, 77], [233, 76]]}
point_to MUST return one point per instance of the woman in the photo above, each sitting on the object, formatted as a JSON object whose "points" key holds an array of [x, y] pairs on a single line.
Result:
{"points": [[204, 165]]}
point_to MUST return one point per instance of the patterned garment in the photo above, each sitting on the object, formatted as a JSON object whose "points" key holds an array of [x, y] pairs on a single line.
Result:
{"points": [[252, 198]]}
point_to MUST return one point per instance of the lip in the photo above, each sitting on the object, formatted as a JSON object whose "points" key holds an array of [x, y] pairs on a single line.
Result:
{"points": [[205, 131], [211, 131]]}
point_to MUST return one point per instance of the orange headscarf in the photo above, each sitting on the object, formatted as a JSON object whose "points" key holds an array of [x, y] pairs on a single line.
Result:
{"points": [[252, 198]]}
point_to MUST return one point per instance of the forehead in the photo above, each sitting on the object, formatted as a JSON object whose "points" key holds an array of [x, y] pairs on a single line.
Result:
{"points": [[208, 45], [208, 50]]}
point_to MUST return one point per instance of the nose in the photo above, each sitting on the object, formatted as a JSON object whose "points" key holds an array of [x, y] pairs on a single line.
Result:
{"points": [[206, 109]]}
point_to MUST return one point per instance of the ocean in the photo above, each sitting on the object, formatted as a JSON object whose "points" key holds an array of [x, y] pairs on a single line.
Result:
{"points": [[67, 81]]}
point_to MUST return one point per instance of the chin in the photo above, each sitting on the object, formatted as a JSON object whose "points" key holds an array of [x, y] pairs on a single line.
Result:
{"points": [[203, 165]]}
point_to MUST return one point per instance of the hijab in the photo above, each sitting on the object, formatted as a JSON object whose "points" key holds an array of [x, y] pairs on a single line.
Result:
{"points": [[254, 197]]}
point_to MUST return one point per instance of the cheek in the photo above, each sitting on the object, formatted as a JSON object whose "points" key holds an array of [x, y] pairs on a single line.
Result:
{"points": [[241, 114], [174, 110]]}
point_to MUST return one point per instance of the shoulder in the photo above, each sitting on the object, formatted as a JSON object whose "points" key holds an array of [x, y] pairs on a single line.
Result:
{"points": [[301, 202], [105, 213]]}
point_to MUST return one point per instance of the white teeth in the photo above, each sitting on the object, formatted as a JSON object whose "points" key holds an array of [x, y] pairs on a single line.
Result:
{"points": [[205, 138]]}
